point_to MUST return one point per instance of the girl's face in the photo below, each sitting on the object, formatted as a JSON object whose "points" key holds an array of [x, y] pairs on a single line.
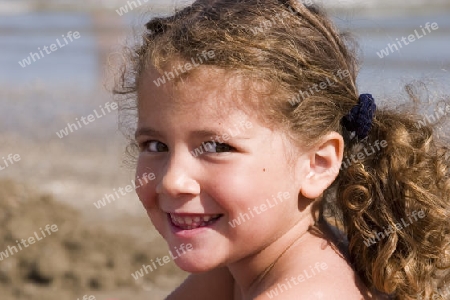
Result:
{"points": [[224, 189]]}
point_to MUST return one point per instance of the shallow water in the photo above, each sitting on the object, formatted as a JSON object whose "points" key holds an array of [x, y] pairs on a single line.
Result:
{"points": [[77, 64], [42, 97]]}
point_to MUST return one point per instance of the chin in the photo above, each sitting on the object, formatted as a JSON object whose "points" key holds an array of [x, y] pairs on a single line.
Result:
{"points": [[194, 265]]}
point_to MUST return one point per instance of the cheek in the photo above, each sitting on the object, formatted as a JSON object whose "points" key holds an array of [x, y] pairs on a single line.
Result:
{"points": [[147, 196], [238, 189], [145, 189]]}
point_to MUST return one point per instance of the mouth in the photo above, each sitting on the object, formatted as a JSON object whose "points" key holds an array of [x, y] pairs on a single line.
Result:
{"points": [[192, 221]]}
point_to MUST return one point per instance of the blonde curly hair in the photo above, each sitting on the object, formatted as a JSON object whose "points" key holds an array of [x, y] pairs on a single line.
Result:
{"points": [[291, 47]]}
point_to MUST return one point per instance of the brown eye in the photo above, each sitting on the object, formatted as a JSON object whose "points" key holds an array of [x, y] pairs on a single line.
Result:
{"points": [[154, 146], [217, 147]]}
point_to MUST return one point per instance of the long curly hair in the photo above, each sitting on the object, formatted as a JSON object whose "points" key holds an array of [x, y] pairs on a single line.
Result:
{"points": [[394, 204]]}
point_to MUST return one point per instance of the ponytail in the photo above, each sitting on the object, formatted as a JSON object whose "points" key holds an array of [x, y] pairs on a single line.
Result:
{"points": [[394, 195]]}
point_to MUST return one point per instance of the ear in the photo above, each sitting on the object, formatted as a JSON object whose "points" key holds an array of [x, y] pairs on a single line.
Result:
{"points": [[324, 162]]}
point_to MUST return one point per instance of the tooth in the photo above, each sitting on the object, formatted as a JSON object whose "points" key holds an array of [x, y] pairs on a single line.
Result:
{"points": [[180, 220], [188, 220], [196, 219], [207, 218]]}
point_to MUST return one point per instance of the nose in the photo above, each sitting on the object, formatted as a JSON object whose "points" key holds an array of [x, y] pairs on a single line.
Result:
{"points": [[177, 178]]}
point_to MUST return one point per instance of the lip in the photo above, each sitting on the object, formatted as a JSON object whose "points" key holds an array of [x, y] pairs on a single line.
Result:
{"points": [[186, 214], [188, 233]]}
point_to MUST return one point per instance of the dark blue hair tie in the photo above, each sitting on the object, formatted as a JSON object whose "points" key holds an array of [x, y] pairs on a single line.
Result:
{"points": [[359, 120]]}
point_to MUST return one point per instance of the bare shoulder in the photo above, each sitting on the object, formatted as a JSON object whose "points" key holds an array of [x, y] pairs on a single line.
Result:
{"points": [[326, 276], [327, 285]]}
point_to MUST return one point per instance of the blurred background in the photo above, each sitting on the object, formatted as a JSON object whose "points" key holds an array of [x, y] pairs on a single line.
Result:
{"points": [[58, 180]]}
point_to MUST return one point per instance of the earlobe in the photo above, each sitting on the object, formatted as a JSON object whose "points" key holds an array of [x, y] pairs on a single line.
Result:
{"points": [[324, 163]]}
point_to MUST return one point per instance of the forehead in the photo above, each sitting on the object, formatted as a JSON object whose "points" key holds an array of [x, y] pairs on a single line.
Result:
{"points": [[206, 90]]}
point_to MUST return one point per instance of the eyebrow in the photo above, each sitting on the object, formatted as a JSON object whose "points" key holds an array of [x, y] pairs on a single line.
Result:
{"points": [[198, 133], [146, 131]]}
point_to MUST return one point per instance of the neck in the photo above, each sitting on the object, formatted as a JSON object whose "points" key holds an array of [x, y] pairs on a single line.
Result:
{"points": [[252, 271]]}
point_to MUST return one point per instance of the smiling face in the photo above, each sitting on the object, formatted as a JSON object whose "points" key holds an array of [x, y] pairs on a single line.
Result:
{"points": [[214, 165]]}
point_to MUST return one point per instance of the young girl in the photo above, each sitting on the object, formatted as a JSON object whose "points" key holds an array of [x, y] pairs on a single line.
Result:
{"points": [[274, 177]]}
